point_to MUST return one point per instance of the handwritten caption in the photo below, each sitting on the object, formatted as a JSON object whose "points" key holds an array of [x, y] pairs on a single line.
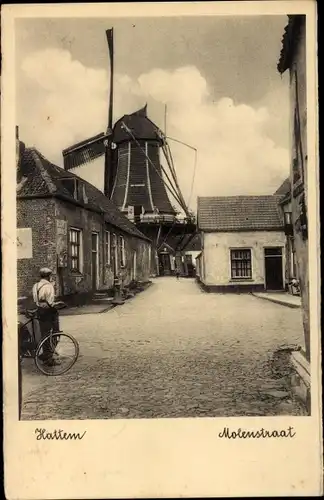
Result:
{"points": [[256, 434], [59, 435]]}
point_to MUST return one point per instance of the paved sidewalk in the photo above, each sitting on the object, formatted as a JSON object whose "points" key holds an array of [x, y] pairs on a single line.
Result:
{"points": [[282, 298]]}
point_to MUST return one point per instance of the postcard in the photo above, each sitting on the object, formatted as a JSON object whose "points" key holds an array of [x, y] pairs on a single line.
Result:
{"points": [[160, 238]]}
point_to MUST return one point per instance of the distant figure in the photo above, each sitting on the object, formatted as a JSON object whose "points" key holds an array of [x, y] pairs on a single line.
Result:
{"points": [[177, 272]]}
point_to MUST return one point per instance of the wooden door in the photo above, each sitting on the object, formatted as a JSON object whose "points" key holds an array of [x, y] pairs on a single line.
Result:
{"points": [[273, 268], [165, 264]]}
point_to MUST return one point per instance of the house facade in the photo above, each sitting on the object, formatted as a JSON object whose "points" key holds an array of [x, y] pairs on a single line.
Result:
{"points": [[243, 244], [291, 269], [65, 223], [191, 252], [293, 59]]}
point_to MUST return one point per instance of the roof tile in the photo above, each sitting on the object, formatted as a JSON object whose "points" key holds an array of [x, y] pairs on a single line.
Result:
{"points": [[44, 178], [239, 213]]}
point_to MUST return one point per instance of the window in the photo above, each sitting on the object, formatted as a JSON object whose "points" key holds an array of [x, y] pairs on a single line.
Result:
{"points": [[122, 251], [241, 264], [75, 240], [115, 252], [107, 248]]}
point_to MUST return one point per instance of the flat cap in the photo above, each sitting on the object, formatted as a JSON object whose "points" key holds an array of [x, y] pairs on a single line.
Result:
{"points": [[45, 271]]}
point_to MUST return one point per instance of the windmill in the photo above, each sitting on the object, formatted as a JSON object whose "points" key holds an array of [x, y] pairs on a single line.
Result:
{"points": [[136, 180]]}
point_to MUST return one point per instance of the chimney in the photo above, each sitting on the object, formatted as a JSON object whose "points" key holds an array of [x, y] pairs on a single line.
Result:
{"points": [[20, 148]]}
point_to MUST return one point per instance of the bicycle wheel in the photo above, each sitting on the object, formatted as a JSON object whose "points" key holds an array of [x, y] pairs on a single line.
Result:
{"points": [[63, 351]]}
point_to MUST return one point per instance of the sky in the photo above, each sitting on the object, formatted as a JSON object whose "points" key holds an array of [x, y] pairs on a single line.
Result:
{"points": [[216, 75]]}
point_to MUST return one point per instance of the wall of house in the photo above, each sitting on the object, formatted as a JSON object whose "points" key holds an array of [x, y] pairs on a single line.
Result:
{"points": [[290, 271], [216, 256], [152, 232], [193, 253], [91, 222], [299, 189], [38, 216], [70, 216], [200, 267], [50, 221], [138, 268]]}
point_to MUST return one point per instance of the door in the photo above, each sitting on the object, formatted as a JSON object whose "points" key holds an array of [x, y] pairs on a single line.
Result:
{"points": [[164, 264], [189, 265], [114, 255], [273, 268], [94, 260]]}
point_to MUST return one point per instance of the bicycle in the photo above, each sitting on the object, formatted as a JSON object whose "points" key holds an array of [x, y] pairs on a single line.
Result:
{"points": [[62, 347]]}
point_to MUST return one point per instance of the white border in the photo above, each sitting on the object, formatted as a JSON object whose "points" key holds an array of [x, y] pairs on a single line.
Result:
{"points": [[162, 457]]}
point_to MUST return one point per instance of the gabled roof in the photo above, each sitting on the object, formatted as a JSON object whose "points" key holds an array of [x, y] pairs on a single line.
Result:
{"points": [[239, 213], [284, 191], [284, 188], [164, 246], [42, 178]]}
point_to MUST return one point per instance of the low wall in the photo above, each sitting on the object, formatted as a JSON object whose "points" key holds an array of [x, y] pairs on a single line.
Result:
{"points": [[301, 379]]}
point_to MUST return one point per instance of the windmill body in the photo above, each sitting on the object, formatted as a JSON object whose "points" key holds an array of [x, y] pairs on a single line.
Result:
{"points": [[141, 191], [137, 182], [138, 186]]}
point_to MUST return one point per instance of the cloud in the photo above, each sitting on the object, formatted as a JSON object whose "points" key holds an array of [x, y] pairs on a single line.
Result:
{"points": [[238, 149], [67, 101]]}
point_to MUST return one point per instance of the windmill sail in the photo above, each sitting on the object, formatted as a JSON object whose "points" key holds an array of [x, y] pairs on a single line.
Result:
{"points": [[135, 179], [109, 160], [110, 40], [84, 152]]}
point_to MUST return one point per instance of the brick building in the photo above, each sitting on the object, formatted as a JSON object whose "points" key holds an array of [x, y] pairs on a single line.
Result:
{"points": [[293, 59], [67, 224], [243, 244]]}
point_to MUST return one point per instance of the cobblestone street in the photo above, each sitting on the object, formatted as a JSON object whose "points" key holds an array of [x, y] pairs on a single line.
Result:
{"points": [[172, 351]]}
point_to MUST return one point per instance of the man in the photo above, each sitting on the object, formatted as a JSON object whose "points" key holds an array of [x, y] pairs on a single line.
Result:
{"points": [[44, 298]]}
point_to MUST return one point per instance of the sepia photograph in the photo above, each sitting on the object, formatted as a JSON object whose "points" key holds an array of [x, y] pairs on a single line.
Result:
{"points": [[162, 217], [160, 242]]}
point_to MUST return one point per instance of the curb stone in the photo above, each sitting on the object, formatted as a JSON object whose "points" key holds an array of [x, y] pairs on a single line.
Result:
{"points": [[278, 301]]}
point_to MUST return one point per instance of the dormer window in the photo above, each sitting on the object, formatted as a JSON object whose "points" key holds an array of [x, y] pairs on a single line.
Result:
{"points": [[74, 187]]}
